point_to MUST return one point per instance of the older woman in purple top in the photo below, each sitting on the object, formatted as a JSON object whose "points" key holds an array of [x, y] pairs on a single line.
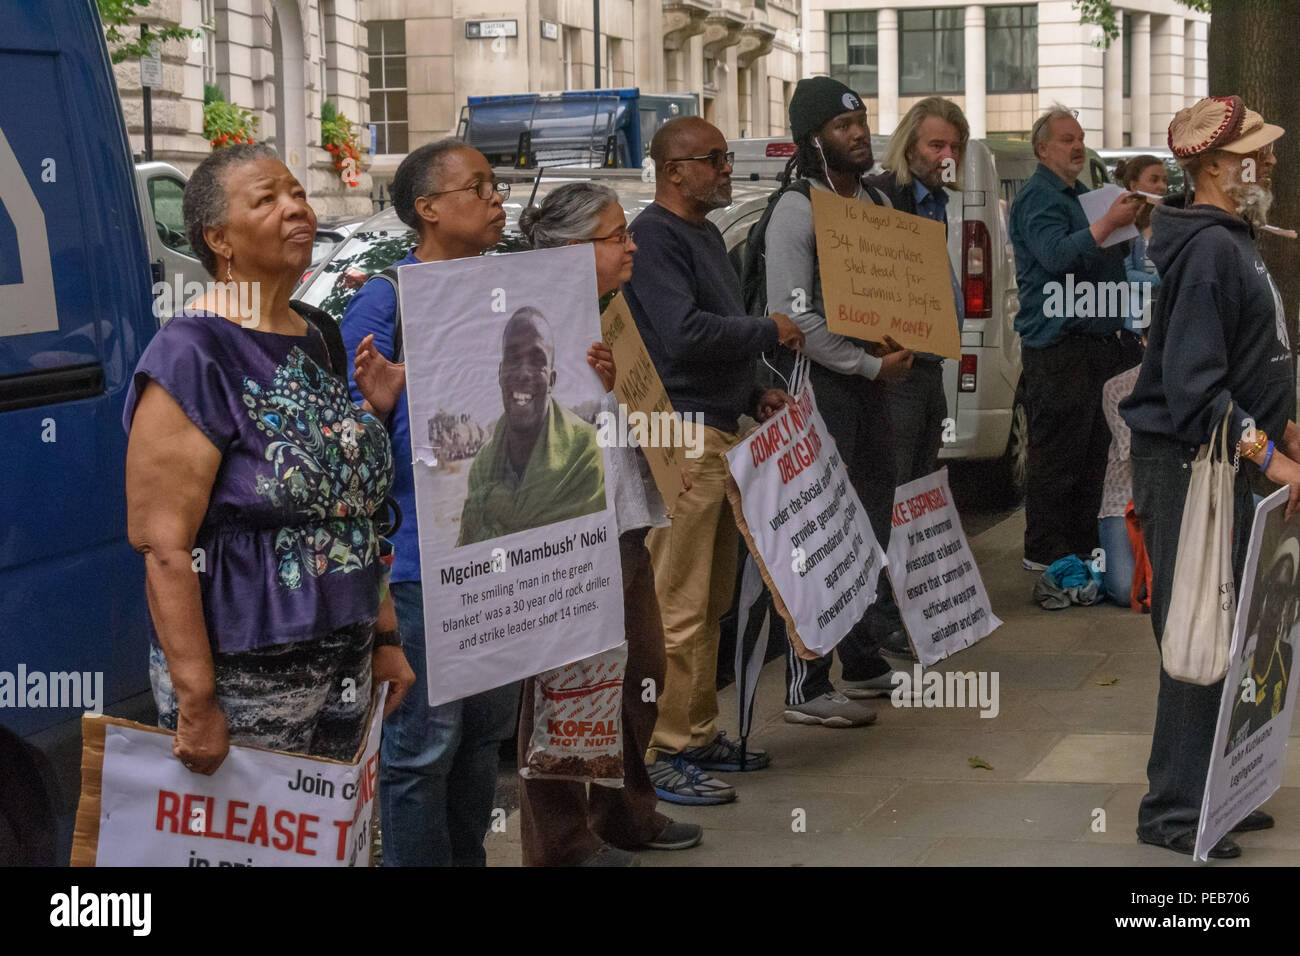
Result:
{"points": [[253, 483]]}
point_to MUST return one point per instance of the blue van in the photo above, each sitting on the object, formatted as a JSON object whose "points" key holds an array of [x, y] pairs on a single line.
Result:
{"points": [[74, 318]]}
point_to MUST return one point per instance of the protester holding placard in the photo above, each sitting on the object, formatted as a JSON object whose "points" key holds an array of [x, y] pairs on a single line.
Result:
{"points": [[1068, 353], [561, 824], [833, 143], [1218, 349], [925, 155], [253, 488], [686, 300], [438, 764]]}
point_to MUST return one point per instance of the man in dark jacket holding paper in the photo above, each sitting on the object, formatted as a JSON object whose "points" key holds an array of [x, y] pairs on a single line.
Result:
{"points": [[1217, 336], [685, 297], [1069, 347]]}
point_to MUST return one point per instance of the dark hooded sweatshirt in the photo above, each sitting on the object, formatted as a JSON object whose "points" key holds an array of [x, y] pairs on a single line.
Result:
{"points": [[1217, 332]]}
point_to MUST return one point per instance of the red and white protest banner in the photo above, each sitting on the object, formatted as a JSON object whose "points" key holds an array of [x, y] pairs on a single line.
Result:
{"points": [[141, 807], [938, 588], [805, 525]]}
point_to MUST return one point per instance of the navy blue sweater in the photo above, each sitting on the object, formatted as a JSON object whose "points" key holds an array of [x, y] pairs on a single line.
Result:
{"points": [[685, 297], [1217, 332]]}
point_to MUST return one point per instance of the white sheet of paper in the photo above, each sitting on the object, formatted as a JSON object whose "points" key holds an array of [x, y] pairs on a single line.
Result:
{"points": [[1095, 203]]}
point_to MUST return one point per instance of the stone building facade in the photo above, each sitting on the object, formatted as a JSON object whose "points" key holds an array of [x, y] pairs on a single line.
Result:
{"points": [[1003, 63], [281, 59]]}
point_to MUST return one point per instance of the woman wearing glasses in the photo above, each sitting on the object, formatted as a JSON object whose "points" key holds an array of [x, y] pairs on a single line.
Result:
{"points": [[561, 825], [438, 765]]}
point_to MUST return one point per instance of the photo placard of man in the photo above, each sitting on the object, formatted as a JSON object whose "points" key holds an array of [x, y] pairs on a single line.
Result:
{"points": [[542, 463], [1067, 358]]}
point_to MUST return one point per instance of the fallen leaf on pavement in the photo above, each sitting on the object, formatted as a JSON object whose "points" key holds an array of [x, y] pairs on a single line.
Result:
{"points": [[979, 763], [1107, 681]]}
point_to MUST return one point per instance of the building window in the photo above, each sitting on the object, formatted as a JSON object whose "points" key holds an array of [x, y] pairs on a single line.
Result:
{"points": [[1128, 54], [208, 26], [572, 58], [1011, 49], [854, 50], [387, 48], [932, 51]]}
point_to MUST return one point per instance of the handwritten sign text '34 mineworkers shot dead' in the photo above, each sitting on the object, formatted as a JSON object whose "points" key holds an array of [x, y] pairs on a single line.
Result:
{"points": [[885, 273]]}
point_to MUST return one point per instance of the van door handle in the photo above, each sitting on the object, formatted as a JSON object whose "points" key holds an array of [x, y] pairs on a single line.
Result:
{"points": [[156, 270]]}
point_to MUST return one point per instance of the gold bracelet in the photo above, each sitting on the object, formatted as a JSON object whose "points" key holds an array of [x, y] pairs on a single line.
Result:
{"points": [[1260, 444]]}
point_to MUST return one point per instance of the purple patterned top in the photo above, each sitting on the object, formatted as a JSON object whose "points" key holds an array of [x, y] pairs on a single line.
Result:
{"points": [[289, 545]]}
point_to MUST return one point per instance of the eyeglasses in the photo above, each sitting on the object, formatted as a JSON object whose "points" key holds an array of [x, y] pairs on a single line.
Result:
{"points": [[717, 157], [622, 237], [483, 189]]}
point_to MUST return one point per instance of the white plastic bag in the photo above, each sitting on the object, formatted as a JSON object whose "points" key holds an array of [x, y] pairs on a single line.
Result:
{"points": [[578, 721], [1203, 600]]}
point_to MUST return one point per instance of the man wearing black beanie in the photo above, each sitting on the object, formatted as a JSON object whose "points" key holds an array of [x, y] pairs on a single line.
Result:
{"points": [[833, 143]]}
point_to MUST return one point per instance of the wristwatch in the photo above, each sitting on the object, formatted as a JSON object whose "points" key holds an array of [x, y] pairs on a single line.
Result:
{"points": [[388, 639]]}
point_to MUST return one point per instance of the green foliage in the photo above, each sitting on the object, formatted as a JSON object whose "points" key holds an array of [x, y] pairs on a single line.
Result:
{"points": [[1103, 14], [225, 123], [116, 14], [212, 93], [340, 140]]}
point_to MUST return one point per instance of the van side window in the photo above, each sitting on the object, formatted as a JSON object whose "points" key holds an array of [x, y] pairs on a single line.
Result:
{"points": [[165, 197]]}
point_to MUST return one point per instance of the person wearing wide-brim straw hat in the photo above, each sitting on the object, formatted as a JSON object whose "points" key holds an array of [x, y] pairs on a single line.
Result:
{"points": [[1217, 336]]}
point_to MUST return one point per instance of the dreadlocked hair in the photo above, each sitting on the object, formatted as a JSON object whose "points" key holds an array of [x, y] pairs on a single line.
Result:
{"points": [[806, 163]]}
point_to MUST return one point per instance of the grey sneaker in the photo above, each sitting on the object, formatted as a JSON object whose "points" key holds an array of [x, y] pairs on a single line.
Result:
{"points": [[723, 756], [677, 780], [880, 686], [831, 710], [676, 836], [607, 855]]}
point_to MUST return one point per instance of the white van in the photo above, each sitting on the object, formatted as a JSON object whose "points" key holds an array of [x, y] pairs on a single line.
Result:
{"points": [[985, 391]]}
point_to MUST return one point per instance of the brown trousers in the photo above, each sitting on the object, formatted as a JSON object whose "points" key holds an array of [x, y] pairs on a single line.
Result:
{"points": [[561, 824]]}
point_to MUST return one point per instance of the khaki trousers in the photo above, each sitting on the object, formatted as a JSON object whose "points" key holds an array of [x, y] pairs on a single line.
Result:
{"points": [[695, 571]]}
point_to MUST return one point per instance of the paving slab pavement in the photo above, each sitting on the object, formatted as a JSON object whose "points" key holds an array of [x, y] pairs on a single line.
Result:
{"points": [[1067, 752]]}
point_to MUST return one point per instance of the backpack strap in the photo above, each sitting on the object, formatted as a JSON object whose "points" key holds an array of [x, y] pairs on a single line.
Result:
{"points": [[389, 275], [324, 323]]}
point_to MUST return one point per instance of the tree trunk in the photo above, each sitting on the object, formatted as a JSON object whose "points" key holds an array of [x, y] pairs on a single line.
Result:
{"points": [[1250, 51]]}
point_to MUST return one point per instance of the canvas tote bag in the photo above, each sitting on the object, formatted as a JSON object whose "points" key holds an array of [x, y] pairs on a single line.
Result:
{"points": [[1203, 602]]}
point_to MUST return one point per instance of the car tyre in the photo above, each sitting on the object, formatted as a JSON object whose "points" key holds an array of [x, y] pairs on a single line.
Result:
{"points": [[1013, 467]]}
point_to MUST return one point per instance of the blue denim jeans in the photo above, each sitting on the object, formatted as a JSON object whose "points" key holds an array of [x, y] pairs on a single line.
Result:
{"points": [[1117, 579], [438, 765]]}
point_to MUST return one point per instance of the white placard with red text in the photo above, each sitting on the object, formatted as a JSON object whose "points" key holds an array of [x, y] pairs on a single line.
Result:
{"points": [[937, 586], [261, 807], [807, 522]]}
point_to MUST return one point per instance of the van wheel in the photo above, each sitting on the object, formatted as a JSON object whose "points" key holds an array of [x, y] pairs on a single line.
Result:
{"points": [[1013, 466], [27, 828]]}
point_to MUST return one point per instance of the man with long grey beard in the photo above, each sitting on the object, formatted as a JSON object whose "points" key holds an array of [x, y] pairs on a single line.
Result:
{"points": [[1218, 347]]}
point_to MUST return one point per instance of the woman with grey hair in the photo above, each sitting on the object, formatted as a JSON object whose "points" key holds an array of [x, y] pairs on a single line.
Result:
{"points": [[253, 487], [561, 823]]}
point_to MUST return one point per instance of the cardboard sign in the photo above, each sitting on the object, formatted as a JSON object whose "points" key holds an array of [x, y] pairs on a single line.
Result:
{"points": [[1255, 714], [640, 390], [885, 272], [141, 807], [805, 525], [938, 588], [518, 541]]}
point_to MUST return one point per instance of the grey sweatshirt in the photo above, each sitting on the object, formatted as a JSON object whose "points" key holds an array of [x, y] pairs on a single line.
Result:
{"points": [[792, 265]]}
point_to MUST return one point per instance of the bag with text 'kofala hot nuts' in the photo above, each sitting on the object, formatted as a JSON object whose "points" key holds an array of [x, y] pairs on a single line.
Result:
{"points": [[578, 721]]}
